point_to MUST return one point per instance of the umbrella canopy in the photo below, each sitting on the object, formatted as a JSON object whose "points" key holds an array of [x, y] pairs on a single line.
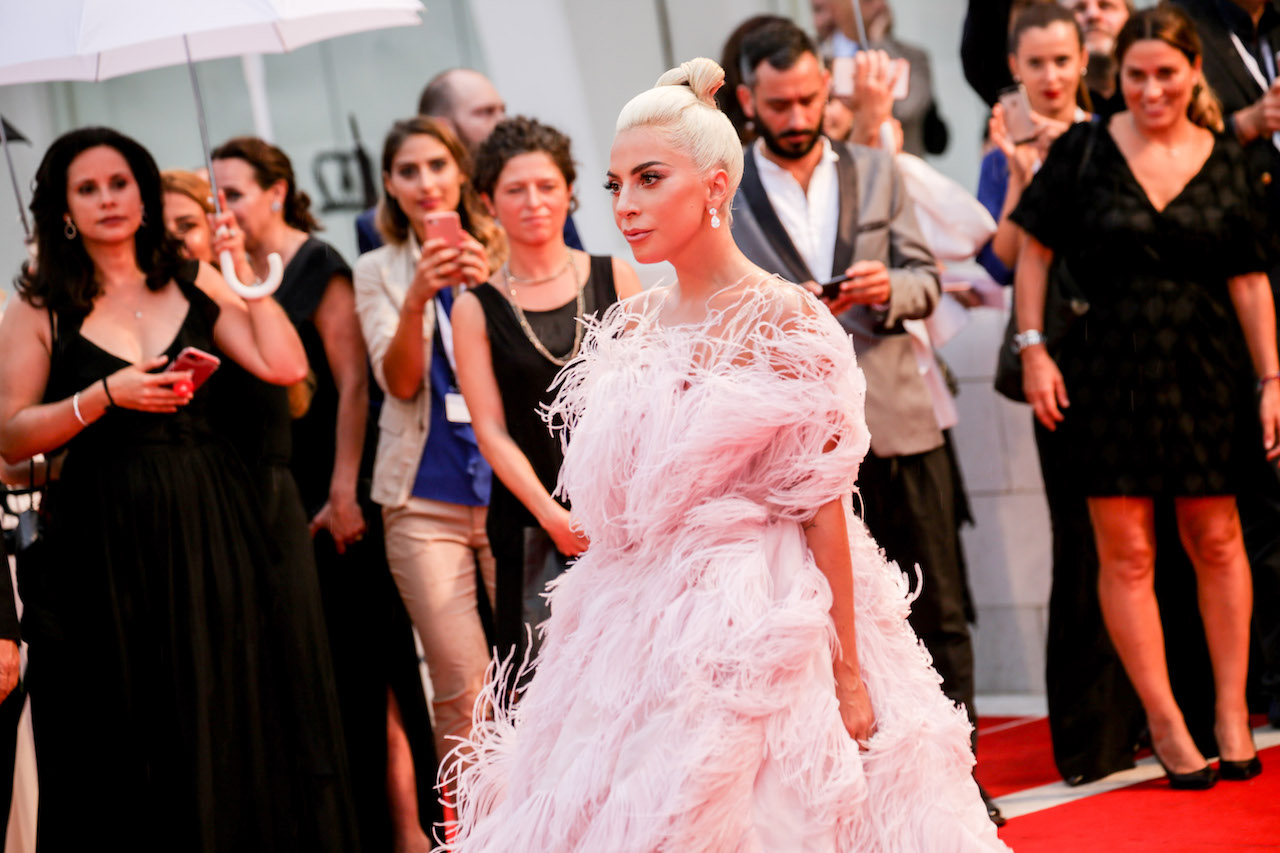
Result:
{"points": [[93, 40], [96, 40]]}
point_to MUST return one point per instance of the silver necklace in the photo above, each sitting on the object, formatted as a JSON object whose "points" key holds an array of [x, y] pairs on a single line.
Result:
{"points": [[528, 330], [568, 260]]}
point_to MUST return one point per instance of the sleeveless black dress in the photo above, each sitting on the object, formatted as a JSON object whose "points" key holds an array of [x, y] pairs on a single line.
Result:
{"points": [[524, 378], [160, 639], [369, 633]]}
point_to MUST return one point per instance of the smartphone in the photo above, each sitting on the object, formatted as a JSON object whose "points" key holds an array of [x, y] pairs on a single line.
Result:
{"points": [[903, 87], [444, 225], [200, 363], [1017, 114], [842, 77], [831, 289]]}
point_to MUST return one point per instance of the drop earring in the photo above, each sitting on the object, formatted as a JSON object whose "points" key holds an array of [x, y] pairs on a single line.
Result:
{"points": [[275, 207], [70, 228], [715, 220]]}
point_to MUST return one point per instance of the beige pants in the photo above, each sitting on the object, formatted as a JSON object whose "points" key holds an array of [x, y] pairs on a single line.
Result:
{"points": [[433, 548]]}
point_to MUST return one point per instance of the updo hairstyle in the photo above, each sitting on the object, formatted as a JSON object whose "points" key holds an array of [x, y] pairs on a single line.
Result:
{"points": [[682, 105], [271, 164]]}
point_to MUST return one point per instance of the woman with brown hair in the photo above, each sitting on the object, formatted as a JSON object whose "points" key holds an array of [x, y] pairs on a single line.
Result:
{"points": [[428, 475], [1157, 217], [513, 334], [160, 642], [369, 634]]}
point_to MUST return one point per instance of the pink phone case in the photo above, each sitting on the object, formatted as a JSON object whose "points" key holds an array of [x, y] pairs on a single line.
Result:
{"points": [[200, 363], [444, 225]]}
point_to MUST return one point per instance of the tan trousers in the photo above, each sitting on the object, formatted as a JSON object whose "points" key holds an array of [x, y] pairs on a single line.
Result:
{"points": [[433, 548]]}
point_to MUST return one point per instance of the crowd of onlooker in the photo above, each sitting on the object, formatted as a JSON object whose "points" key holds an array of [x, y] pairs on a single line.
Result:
{"points": [[233, 588]]}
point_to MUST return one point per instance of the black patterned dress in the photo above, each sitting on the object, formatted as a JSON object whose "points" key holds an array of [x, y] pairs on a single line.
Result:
{"points": [[1157, 371]]}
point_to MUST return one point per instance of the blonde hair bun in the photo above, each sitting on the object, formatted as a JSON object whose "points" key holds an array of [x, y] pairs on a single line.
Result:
{"points": [[703, 76], [682, 105]]}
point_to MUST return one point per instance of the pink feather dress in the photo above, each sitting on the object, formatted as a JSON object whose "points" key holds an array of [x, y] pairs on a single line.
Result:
{"points": [[683, 698]]}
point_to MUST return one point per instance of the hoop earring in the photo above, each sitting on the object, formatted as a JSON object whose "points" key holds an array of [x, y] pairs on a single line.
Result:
{"points": [[715, 220], [69, 229]]}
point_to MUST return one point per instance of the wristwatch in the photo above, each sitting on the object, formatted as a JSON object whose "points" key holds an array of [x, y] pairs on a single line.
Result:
{"points": [[1029, 338]]}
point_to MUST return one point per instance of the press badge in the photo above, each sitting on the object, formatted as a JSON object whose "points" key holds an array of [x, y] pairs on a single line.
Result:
{"points": [[455, 408]]}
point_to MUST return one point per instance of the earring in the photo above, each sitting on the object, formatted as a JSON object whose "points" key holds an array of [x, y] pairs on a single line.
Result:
{"points": [[70, 228], [715, 220], [143, 221], [275, 207]]}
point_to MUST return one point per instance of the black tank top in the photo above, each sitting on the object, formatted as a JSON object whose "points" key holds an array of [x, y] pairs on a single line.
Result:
{"points": [[525, 375]]}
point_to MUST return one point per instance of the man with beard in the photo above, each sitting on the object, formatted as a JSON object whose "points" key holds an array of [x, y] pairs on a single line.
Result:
{"points": [[810, 210], [1100, 21]]}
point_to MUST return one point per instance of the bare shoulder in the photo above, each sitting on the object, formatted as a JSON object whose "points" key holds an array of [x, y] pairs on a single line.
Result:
{"points": [[25, 322], [625, 281]]}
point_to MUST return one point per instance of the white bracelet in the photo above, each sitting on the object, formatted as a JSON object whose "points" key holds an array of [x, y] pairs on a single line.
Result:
{"points": [[75, 407]]}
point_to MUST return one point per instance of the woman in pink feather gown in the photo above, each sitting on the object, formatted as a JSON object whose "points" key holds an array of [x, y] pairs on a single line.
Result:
{"points": [[728, 668]]}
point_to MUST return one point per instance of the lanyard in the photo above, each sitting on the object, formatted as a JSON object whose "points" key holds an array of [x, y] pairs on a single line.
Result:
{"points": [[443, 325], [1256, 71]]}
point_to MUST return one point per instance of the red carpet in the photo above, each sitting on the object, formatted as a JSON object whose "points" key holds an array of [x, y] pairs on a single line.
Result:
{"points": [[1014, 754], [1148, 816]]}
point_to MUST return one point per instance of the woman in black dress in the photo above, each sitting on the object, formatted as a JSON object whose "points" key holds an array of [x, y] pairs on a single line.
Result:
{"points": [[158, 639], [370, 637], [512, 335], [1157, 219]]}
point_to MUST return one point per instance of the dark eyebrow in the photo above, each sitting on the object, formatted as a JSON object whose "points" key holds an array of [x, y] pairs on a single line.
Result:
{"points": [[638, 169]]}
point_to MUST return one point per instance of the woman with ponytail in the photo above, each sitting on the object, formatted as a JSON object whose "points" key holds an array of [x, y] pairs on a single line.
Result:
{"points": [[370, 636], [728, 665], [1157, 391]]}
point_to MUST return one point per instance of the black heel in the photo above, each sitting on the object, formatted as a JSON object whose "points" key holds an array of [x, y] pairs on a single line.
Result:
{"points": [[1197, 780], [1239, 771]]}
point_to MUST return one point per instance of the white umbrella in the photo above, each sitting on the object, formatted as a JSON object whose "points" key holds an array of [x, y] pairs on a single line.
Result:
{"points": [[97, 40]]}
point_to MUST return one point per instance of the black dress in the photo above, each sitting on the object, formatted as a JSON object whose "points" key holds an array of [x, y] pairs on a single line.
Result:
{"points": [[370, 635], [1157, 371], [524, 379], [159, 641]]}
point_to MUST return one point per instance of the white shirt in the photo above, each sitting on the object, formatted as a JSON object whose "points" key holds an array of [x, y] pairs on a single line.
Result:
{"points": [[811, 219]]}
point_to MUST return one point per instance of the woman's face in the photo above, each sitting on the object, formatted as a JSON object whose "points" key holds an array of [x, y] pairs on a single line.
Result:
{"points": [[1049, 61], [424, 178], [103, 199], [659, 199], [186, 220], [251, 204], [531, 198], [1157, 80]]}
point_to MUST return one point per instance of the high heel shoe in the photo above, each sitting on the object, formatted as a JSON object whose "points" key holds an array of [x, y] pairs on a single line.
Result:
{"points": [[1239, 771], [1197, 780]]}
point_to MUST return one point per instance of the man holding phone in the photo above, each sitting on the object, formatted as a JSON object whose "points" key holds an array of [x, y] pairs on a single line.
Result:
{"points": [[809, 209]]}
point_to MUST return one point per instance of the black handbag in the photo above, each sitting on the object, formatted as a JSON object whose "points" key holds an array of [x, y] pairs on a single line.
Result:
{"points": [[1064, 304]]}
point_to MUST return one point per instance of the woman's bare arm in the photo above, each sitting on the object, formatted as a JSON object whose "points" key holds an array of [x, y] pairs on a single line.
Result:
{"points": [[828, 538], [480, 388], [257, 334]]}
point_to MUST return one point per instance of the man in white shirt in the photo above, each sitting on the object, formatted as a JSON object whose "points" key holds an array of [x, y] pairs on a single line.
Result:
{"points": [[810, 209]]}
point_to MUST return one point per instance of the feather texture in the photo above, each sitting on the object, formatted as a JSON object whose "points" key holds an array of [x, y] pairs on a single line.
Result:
{"points": [[684, 698]]}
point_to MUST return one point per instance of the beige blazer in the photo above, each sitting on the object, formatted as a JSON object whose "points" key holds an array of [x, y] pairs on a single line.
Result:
{"points": [[381, 280]]}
